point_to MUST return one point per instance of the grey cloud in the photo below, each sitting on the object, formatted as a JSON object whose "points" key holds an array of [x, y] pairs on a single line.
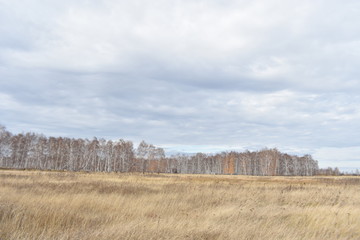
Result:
{"points": [[242, 74]]}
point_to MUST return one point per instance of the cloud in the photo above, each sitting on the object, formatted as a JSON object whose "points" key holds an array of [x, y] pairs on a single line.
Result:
{"points": [[241, 74]]}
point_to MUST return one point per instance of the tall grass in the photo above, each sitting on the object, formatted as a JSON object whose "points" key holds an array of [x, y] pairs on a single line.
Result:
{"points": [[66, 205]]}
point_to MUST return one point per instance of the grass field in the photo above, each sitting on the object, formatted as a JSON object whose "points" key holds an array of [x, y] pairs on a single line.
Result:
{"points": [[67, 205]]}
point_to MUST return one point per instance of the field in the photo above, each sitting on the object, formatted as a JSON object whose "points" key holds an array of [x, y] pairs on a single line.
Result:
{"points": [[68, 205]]}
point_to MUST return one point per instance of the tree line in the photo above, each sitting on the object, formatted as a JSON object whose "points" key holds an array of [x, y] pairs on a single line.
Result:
{"points": [[36, 151]]}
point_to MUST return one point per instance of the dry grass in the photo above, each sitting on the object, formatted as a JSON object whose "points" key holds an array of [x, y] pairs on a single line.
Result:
{"points": [[63, 205]]}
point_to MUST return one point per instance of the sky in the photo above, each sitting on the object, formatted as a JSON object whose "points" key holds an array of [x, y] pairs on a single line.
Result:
{"points": [[187, 75]]}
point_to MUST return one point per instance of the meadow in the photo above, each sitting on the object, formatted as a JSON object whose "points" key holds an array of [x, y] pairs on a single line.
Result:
{"points": [[78, 205]]}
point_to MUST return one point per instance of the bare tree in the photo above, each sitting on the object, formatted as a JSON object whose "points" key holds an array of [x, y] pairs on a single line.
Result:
{"points": [[29, 150]]}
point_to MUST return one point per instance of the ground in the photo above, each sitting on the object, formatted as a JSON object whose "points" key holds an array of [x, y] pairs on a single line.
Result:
{"points": [[68, 205]]}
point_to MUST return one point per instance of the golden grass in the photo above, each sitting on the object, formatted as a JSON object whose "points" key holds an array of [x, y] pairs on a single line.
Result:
{"points": [[66, 205]]}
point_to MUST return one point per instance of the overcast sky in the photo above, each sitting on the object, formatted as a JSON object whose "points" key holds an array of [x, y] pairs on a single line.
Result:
{"points": [[187, 75]]}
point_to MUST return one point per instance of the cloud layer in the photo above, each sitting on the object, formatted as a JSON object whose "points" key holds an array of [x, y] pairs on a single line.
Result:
{"points": [[181, 74]]}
